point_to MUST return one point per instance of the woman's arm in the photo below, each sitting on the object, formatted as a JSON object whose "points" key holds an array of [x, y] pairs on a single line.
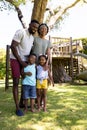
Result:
{"points": [[50, 77]]}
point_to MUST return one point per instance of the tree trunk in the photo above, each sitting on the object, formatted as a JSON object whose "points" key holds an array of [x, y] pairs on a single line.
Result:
{"points": [[59, 73], [39, 10]]}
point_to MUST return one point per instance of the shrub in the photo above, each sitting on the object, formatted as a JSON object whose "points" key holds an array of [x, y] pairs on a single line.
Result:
{"points": [[2, 64]]}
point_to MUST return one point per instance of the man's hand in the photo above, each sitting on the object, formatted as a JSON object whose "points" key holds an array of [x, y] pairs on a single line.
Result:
{"points": [[23, 64]]}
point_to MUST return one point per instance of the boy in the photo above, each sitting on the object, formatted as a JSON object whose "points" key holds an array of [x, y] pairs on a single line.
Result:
{"points": [[29, 82]]}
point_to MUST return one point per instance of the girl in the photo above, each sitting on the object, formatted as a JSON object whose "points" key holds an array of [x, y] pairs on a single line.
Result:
{"points": [[43, 72]]}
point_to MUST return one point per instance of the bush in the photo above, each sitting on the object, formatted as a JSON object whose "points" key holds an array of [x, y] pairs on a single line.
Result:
{"points": [[2, 64], [84, 42]]}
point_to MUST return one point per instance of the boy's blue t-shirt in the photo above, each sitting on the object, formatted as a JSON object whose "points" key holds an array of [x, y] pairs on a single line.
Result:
{"points": [[30, 80]]}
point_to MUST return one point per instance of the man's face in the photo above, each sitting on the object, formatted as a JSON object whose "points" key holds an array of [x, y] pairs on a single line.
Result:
{"points": [[33, 28]]}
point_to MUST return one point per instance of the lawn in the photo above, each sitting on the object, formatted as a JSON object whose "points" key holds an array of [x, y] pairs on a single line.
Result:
{"points": [[66, 105]]}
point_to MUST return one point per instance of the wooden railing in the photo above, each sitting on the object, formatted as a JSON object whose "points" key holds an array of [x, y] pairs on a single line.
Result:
{"points": [[63, 47]]}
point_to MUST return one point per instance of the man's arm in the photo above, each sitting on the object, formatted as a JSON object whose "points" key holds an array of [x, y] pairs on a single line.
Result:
{"points": [[14, 45]]}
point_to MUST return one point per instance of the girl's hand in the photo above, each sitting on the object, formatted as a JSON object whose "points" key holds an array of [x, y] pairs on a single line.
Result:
{"points": [[45, 67]]}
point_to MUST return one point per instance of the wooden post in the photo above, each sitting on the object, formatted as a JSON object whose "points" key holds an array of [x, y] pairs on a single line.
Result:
{"points": [[71, 57], [7, 67], [50, 59]]}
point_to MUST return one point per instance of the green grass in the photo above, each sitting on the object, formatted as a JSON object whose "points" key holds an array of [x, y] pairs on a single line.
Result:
{"points": [[66, 105]]}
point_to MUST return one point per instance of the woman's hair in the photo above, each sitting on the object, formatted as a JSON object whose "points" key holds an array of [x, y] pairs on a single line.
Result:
{"points": [[43, 56], [42, 25]]}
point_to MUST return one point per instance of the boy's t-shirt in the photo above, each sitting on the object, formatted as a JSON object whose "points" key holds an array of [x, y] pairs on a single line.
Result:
{"points": [[30, 80]]}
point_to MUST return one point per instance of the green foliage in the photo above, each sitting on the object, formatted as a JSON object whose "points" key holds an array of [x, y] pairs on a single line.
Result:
{"points": [[2, 70], [9, 4], [18, 2], [2, 64], [84, 42]]}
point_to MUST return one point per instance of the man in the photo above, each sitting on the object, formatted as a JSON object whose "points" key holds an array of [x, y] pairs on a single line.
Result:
{"points": [[21, 46]]}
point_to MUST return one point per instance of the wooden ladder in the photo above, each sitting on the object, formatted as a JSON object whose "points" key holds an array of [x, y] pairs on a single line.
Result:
{"points": [[8, 69]]}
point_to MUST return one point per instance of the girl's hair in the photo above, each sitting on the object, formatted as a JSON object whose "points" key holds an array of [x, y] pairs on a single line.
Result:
{"points": [[43, 56], [42, 25]]}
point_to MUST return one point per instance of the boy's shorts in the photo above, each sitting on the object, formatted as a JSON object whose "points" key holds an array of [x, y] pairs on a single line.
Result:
{"points": [[15, 68], [42, 84], [29, 91]]}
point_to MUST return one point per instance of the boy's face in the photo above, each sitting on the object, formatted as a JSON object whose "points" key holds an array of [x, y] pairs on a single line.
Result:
{"points": [[32, 59]]}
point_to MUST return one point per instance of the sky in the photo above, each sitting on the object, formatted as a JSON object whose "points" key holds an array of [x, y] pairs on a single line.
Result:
{"points": [[73, 26]]}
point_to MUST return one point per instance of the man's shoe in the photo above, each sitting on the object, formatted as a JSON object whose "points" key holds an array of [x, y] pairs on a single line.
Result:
{"points": [[19, 113]]}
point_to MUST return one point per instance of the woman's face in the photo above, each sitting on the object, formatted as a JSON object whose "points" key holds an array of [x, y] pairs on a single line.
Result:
{"points": [[43, 30]]}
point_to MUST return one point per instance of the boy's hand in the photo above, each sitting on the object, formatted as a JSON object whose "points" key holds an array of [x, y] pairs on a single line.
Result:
{"points": [[29, 73]]}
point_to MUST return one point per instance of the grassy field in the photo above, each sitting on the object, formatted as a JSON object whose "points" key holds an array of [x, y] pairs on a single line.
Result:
{"points": [[67, 110]]}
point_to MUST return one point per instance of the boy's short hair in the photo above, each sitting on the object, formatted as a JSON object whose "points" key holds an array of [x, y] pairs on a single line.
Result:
{"points": [[32, 54]]}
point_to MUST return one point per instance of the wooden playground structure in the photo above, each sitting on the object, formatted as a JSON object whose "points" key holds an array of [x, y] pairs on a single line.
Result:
{"points": [[64, 65]]}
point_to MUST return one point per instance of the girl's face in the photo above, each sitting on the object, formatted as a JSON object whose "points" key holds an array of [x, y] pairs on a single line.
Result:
{"points": [[32, 59], [43, 30], [42, 61]]}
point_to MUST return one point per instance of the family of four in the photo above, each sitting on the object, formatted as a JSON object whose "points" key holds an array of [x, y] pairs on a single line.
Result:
{"points": [[29, 59]]}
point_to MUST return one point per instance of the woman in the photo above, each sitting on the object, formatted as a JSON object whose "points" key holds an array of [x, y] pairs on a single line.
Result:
{"points": [[41, 44]]}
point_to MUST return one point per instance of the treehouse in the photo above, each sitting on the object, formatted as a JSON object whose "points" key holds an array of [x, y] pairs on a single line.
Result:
{"points": [[64, 65]]}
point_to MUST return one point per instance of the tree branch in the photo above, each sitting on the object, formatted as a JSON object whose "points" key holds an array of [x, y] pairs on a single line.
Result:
{"points": [[85, 1], [59, 13], [20, 16]]}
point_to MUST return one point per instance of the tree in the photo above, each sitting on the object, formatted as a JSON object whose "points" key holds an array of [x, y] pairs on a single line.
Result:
{"points": [[39, 9]]}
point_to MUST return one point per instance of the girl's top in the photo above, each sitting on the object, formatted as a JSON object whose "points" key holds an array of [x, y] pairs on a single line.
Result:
{"points": [[30, 80], [41, 73]]}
